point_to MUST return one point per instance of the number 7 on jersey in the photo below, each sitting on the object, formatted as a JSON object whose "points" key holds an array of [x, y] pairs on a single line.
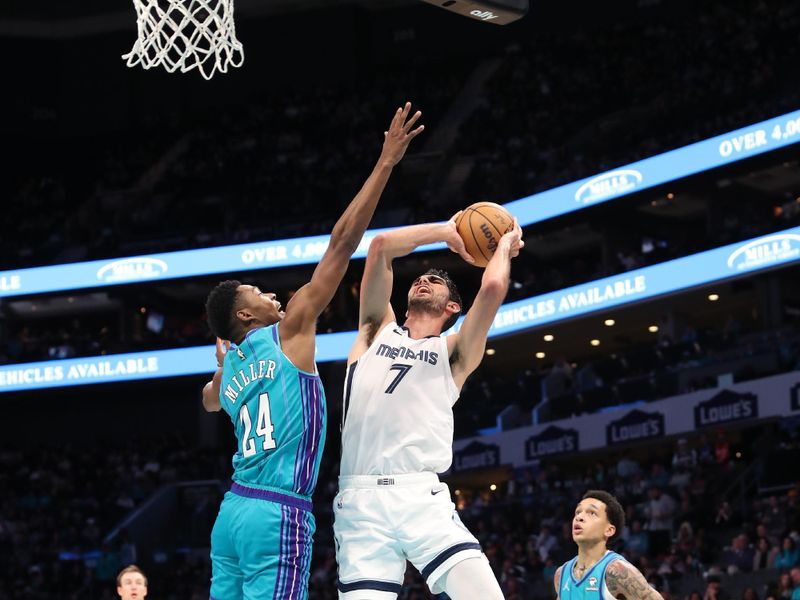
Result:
{"points": [[402, 372]]}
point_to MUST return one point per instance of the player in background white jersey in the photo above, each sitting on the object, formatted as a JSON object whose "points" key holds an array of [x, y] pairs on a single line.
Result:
{"points": [[397, 430]]}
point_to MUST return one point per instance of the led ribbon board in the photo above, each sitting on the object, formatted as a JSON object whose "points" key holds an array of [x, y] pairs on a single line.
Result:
{"points": [[663, 168], [726, 262]]}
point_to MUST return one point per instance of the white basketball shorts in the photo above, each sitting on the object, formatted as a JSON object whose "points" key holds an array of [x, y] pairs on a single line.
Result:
{"points": [[382, 521]]}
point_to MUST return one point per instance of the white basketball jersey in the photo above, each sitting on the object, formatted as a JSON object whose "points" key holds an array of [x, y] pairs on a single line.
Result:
{"points": [[398, 407]]}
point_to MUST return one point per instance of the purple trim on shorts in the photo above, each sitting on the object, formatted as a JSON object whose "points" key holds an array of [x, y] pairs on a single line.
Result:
{"points": [[276, 592], [321, 419], [294, 550], [309, 425], [272, 496], [294, 560], [306, 564], [299, 453], [308, 448], [280, 580]]}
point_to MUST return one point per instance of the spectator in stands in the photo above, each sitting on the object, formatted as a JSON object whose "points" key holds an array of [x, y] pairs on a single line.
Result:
{"points": [[725, 514], [789, 555], [714, 589], [749, 593], [795, 575], [684, 457], [131, 583], [739, 556], [722, 450], [763, 532], [765, 554], [638, 541], [627, 466], [545, 542], [559, 381], [685, 540], [661, 514], [773, 517], [785, 587]]}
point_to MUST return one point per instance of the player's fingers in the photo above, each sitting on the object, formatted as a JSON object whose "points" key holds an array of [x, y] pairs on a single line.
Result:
{"points": [[454, 218], [410, 123], [396, 119], [462, 250], [406, 111], [416, 132]]}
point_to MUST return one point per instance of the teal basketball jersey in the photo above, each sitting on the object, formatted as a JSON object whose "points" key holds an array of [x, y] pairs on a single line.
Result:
{"points": [[592, 585], [278, 414]]}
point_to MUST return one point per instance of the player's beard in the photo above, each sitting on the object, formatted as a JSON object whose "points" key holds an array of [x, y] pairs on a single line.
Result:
{"points": [[428, 304]]}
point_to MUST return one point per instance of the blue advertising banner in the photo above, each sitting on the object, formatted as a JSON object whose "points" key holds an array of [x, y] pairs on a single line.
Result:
{"points": [[726, 262], [174, 265], [657, 170], [663, 168]]}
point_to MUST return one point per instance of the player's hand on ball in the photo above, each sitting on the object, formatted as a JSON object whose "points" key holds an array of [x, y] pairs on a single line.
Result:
{"points": [[222, 349], [454, 241], [400, 134], [513, 240]]}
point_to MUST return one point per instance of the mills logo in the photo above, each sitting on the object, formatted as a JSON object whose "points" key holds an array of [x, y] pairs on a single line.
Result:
{"points": [[476, 456], [551, 442], [765, 251], [132, 269], [608, 185]]}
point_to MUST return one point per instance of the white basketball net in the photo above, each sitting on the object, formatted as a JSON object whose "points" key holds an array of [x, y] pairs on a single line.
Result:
{"points": [[178, 34]]}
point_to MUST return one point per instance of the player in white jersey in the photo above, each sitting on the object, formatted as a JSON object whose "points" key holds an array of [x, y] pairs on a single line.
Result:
{"points": [[397, 430], [597, 573]]}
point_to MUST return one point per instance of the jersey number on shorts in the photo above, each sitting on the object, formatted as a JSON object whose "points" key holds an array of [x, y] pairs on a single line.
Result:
{"points": [[264, 427], [402, 370]]}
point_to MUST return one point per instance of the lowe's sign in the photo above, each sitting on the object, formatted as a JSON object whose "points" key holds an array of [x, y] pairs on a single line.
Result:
{"points": [[739, 405]]}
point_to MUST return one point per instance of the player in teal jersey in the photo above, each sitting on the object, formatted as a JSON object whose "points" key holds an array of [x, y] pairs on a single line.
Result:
{"points": [[597, 572], [267, 383]]}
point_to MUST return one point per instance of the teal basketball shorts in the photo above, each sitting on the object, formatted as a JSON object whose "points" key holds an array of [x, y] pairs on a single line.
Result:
{"points": [[261, 546]]}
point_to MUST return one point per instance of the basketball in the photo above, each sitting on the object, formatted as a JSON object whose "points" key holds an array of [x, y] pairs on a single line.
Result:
{"points": [[481, 226]]}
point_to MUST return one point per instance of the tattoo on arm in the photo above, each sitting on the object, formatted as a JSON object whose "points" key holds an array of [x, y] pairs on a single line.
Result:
{"points": [[623, 579]]}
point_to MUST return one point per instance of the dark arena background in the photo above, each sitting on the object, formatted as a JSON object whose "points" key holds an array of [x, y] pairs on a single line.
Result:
{"points": [[649, 344]]}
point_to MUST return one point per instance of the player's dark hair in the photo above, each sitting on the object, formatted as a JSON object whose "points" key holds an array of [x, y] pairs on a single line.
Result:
{"points": [[454, 295], [221, 309], [614, 511]]}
